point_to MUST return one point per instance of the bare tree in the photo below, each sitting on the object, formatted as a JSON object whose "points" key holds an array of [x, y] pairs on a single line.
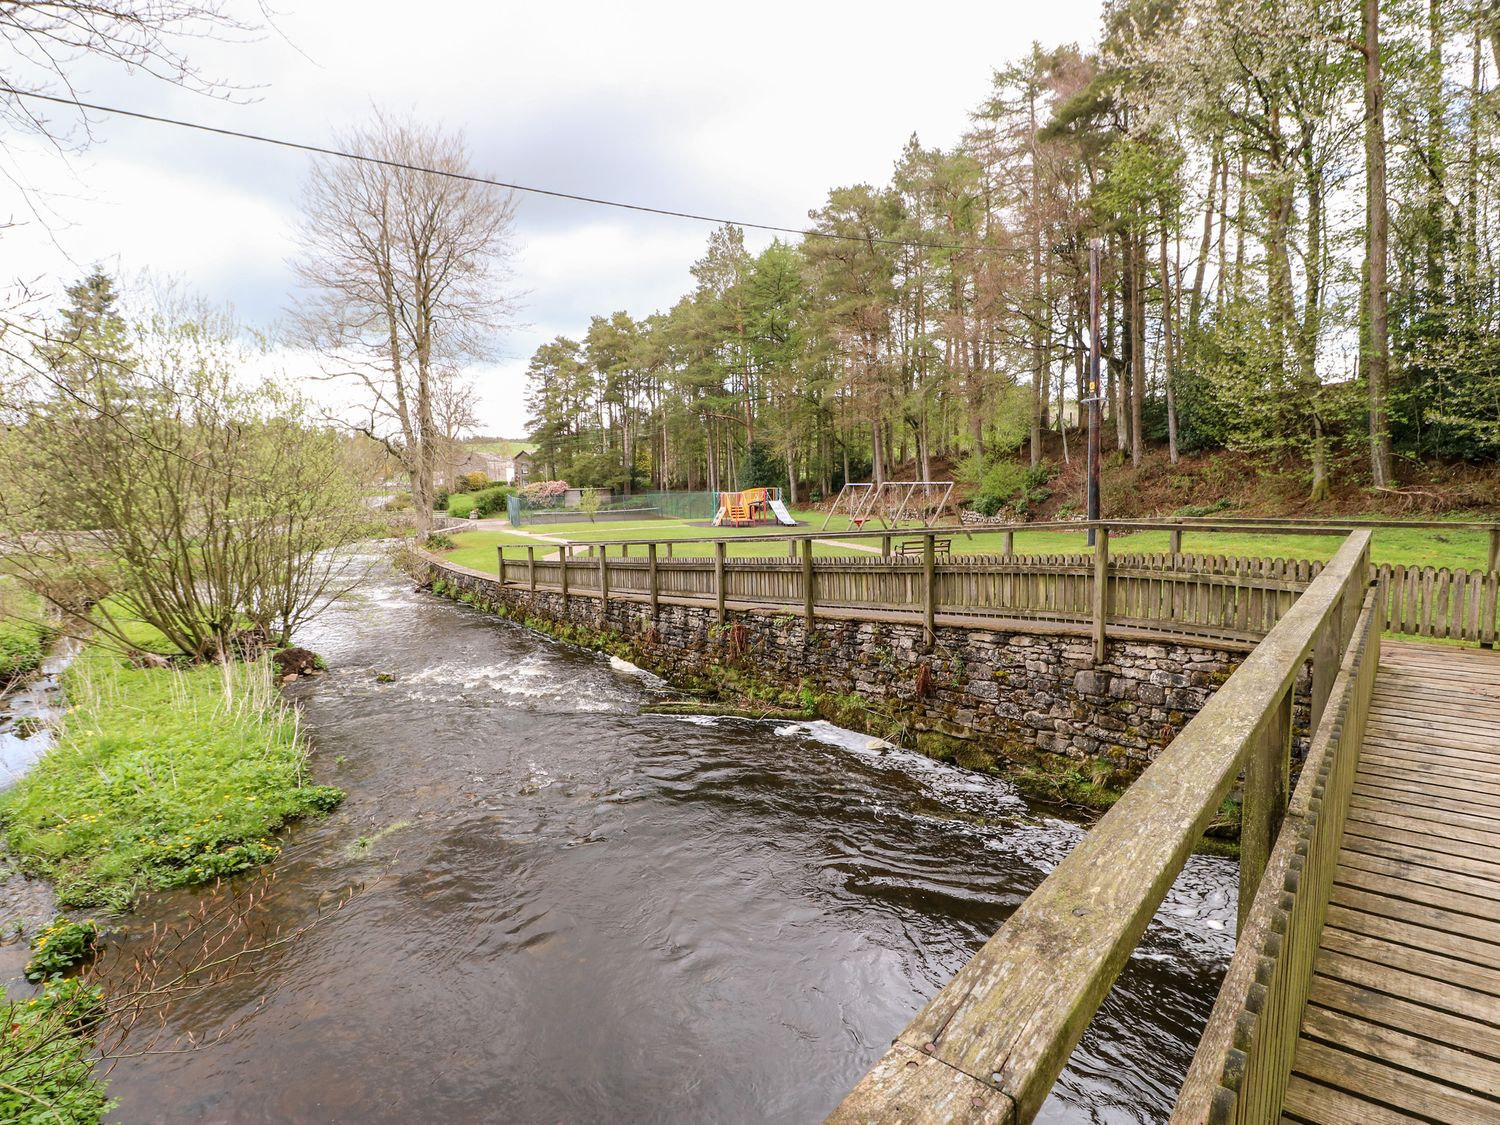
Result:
{"points": [[407, 269]]}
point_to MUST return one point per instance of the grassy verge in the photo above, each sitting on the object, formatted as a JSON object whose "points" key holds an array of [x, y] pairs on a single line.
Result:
{"points": [[24, 632], [1458, 550], [159, 778]]}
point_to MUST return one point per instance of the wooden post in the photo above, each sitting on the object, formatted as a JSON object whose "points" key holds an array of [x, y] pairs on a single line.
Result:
{"points": [[500, 551], [1009, 542], [651, 578], [603, 586], [791, 548], [1328, 654], [1176, 547], [885, 548], [807, 583], [669, 548], [929, 589], [1494, 564], [1101, 591], [1267, 771], [531, 568], [719, 577], [565, 582]]}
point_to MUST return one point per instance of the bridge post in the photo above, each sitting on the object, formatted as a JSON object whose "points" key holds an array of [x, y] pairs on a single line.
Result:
{"points": [[719, 577], [929, 589], [651, 579], [500, 551], [1101, 591], [1328, 654], [1267, 776], [531, 568], [807, 583], [603, 586]]}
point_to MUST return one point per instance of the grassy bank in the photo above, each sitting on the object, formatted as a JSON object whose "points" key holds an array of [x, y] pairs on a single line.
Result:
{"points": [[159, 778], [1457, 549], [24, 632]]}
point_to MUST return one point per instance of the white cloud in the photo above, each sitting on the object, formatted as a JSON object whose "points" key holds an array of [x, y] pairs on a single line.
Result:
{"points": [[747, 111]]}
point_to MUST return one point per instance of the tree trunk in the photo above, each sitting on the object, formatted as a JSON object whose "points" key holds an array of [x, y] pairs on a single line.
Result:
{"points": [[1137, 348], [1378, 337], [1166, 345]]}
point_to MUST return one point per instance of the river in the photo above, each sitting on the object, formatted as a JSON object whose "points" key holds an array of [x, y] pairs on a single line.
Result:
{"points": [[567, 911]]}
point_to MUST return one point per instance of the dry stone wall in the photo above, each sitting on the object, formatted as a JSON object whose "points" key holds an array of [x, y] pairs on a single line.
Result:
{"points": [[1010, 692]]}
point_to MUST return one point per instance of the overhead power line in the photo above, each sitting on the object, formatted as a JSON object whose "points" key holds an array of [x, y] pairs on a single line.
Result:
{"points": [[325, 150]]}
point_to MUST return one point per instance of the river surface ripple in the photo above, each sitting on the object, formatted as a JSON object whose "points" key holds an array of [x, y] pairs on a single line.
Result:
{"points": [[594, 915]]}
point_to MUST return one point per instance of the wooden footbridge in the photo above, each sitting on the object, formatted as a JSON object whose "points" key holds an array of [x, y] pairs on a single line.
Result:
{"points": [[1365, 984]]}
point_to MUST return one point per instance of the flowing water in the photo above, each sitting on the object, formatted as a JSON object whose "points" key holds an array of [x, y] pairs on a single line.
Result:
{"points": [[568, 911]]}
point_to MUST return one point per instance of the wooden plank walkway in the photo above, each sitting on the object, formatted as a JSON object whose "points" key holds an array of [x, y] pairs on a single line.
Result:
{"points": [[1403, 1018]]}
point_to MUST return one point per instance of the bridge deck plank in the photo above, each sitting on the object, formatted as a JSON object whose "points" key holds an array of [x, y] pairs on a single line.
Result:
{"points": [[1403, 1019]]}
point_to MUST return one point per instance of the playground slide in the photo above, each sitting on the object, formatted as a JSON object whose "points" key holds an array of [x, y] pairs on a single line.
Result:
{"points": [[719, 517], [782, 515]]}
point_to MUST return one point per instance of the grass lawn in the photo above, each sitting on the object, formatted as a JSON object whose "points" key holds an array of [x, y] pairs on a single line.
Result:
{"points": [[1453, 549], [159, 778]]}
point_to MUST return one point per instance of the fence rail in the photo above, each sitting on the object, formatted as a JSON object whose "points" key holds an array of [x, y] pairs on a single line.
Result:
{"points": [[1240, 1071], [989, 1046], [1229, 599], [1205, 598]]}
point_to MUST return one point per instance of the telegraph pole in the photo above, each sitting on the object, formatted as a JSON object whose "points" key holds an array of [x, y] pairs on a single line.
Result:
{"points": [[1095, 399]]}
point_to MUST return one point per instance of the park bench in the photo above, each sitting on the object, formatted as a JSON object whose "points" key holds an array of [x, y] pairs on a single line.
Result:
{"points": [[913, 547]]}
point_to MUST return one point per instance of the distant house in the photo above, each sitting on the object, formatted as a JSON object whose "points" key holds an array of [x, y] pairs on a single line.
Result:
{"points": [[520, 466], [501, 470]]}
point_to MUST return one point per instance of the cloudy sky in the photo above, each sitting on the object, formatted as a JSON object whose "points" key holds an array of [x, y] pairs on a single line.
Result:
{"points": [[747, 111]]}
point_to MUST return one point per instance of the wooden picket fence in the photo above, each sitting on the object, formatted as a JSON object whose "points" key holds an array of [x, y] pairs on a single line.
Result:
{"points": [[1232, 599]]}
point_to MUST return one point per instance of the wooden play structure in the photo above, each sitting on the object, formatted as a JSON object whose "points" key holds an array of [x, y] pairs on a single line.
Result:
{"points": [[752, 506], [919, 502]]}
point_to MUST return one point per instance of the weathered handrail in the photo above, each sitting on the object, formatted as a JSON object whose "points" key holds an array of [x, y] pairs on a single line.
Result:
{"points": [[990, 1045], [1240, 1071], [1228, 602]]}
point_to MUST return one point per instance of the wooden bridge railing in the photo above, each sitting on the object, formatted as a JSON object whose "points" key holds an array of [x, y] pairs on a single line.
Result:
{"points": [[1461, 605], [1204, 598], [1244, 1059], [990, 1045]]}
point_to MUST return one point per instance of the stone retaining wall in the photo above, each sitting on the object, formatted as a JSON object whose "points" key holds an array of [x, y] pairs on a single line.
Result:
{"points": [[1009, 692]]}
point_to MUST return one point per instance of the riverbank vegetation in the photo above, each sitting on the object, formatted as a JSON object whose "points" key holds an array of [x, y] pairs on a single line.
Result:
{"points": [[160, 778], [24, 632], [147, 476]]}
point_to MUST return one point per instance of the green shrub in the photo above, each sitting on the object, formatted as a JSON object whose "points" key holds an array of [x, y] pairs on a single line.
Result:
{"points": [[46, 1065], [492, 501], [474, 482], [60, 945], [489, 502], [399, 503], [996, 484], [439, 541], [440, 500]]}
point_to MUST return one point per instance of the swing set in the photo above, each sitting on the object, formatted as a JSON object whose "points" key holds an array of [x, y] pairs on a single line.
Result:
{"points": [[920, 502]]}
